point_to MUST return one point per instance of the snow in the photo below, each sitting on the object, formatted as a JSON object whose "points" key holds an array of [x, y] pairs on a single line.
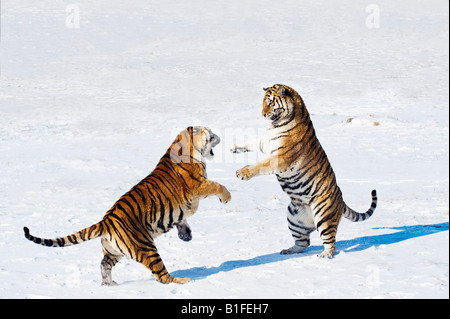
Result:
{"points": [[87, 110]]}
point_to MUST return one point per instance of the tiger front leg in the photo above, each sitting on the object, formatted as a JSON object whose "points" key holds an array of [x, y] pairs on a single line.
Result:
{"points": [[184, 231], [208, 188], [268, 166]]}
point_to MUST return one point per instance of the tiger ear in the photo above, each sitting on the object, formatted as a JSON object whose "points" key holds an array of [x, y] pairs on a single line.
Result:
{"points": [[284, 91], [196, 130], [193, 130], [265, 89]]}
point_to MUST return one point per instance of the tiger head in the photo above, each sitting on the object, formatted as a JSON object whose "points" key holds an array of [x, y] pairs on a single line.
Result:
{"points": [[205, 140], [193, 145], [278, 103]]}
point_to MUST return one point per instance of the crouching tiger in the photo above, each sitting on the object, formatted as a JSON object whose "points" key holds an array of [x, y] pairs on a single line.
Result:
{"points": [[162, 200], [302, 169]]}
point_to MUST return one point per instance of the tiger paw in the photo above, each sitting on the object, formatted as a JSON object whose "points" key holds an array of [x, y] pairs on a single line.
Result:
{"points": [[225, 197], [181, 280], [238, 149], [244, 173], [177, 280], [110, 283], [184, 232], [170, 279], [185, 236], [326, 254], [293, 250]]}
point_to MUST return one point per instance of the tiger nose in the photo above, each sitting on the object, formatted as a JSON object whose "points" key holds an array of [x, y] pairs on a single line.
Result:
{"points": [[215, 140]]}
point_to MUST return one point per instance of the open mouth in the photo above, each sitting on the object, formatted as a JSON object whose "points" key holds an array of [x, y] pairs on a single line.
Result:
{"points": [[275, 117], [211, 152]]}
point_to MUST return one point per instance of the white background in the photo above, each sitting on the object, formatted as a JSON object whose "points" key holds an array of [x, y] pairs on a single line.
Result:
{"points": [[91, 98]]}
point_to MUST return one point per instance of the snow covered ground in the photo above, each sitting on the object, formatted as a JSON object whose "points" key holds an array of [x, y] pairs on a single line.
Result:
{"points": [[93, 92]]}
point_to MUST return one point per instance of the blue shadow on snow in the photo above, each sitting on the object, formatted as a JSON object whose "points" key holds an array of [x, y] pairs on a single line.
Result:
{"points": [[357, 244]]}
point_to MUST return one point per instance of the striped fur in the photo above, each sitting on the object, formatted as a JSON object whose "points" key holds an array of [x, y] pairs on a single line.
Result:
{"points": [[162, 200], [302, 168]]}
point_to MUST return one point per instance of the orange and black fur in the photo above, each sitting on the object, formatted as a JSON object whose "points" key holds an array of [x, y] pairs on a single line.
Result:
{"points": [[302, 168], [162, 200]]}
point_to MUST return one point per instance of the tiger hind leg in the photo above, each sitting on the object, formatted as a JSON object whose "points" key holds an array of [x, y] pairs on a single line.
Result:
{"points": [[301, 224], [326, 221], [328, 236], [146, 253], [153, 261], [111, 257], [106, 266]]}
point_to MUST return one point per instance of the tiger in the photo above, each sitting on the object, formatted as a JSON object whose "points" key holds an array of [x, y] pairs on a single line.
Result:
{"points": [[301, 166], [164, 199]]}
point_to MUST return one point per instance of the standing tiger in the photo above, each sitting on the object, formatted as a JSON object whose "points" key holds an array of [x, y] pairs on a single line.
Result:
{"points": [[302, 169], [162, 200]]}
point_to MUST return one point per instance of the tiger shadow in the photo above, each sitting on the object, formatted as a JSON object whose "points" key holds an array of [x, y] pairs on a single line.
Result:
{"points": [[352, 245]]}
